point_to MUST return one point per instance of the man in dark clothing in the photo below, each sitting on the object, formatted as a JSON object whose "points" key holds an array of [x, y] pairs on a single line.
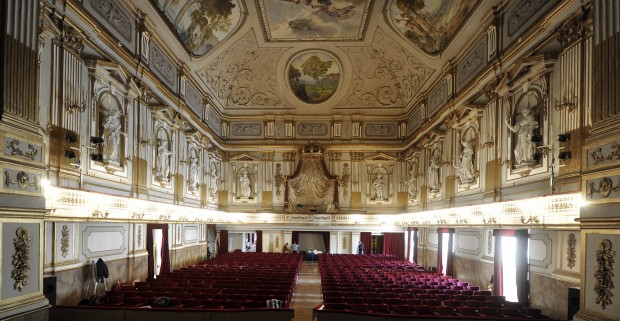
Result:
{"points": [[360, 248]]}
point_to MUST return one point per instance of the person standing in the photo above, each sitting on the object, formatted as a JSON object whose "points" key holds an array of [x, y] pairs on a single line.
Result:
{"points": [[295, 247], [360, 248]]}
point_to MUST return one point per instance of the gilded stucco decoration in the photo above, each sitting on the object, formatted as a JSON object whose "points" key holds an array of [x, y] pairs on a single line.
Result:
{"points": [[21, 259], [344, 180], [603, 273], [571, 251], [15, 150], [611, 153], [279, 180], [22, 180], [605, 187], [64, 241], [113, 14], [490, 243], [139, 236], [430, 25], [390, 76], [237, 81]]}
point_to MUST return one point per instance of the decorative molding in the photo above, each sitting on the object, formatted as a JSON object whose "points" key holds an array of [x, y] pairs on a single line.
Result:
{"points": [[246, 130], [312, 129], [163, 66], [214, 121], [71, 39], [544, 258], [472, 64], [603, 273], [15, 147], [380, 130], [571, 251], [238, 81], [490, 243], [357, 156], [22, 180], [139, 236], [279, 180], [415, 120], [64, 241], [114, 15], [603, 154], [289, 156], [194, 100], [522, 13], [437, 98], [344, 180], [21, 259], [115, 241], [390, 76], [461, 240], [605, 187]]}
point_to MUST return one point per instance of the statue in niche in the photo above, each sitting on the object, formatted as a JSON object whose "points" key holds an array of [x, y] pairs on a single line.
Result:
{"points": [[163, 160], [464, 168], [111, 135], [213, 176], [524, 149], [244, 182], [433, 174], [193, 171], [377, 185], [412, 183]]}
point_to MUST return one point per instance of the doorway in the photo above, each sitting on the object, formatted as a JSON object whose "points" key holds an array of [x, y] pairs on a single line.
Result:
{"points": [[158, 249], [376, 244]]}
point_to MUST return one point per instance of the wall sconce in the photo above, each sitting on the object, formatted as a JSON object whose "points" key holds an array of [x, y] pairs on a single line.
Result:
{"points": [[569, 104], [563, 138], [565, 155], [70, 154], [70, 138], [536, 139], [96, 140], [96, 157]]}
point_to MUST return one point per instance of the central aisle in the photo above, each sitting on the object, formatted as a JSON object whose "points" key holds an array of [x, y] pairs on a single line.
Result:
{"points": [[307, 293]]}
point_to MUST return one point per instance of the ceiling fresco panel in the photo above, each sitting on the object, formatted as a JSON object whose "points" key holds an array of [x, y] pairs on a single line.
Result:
{"points": [[200, 24], [311, 20], [430, 24]]}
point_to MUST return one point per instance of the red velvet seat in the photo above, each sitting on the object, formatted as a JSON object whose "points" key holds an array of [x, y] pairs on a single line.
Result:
{"points": [[358, 307], [467, 311], [452, 303], [379, 308], [445, 311], [336, 306], [423, 310], [402, 309], [472, 303]]}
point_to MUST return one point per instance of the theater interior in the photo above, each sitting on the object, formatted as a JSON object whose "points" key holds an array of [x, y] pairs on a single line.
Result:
{"points": [[310, 160]]}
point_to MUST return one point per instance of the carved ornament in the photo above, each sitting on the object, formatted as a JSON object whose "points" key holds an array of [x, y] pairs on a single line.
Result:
{"points": [[64, 241], [114, 15], [603, 273], [605, 187], [21, 259], [571, 251], [574, 29], [22, 180], [13, 145], [289, 156], [344, 180], [279, 180], [335, 156], [139, 236], [522, 13], [357, 156], [598, 157]]}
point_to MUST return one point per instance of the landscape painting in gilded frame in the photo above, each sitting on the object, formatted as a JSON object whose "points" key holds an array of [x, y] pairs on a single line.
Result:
{"points": [[200, 24], [430, 24], [295, 20], [314, 76]]}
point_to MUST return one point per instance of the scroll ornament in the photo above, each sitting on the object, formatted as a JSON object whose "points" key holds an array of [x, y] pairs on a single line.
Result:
{"points": [[21, 258], [603, 273]]}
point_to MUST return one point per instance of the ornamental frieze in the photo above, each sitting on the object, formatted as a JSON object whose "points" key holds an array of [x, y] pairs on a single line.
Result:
{"points": [[312, 129], [604, 154], [14, 147], [114, 15], [603, 188], [603, 273], [163, 67], [21, 181], [380, 130], [246, 130], [21, 259]]}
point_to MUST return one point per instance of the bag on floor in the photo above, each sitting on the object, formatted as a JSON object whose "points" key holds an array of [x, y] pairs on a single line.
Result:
{"points": [[274, 304], [162, 301]]}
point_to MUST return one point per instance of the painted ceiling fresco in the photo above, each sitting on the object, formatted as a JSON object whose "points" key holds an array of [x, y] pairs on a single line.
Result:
{"points": [[430, 24], [200, 24], [295, 20]]}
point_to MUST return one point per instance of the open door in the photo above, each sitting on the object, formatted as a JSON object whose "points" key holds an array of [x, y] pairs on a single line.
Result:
{"points": [[158, 249]]}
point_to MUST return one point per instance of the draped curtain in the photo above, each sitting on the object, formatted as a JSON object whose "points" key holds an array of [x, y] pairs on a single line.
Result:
{"points": [[366, 238], [394, 244], [450, 245], [326, 241], [521, 261], [259, 241], [165, 250], [311, 187], [223, 249], [412, 242]]}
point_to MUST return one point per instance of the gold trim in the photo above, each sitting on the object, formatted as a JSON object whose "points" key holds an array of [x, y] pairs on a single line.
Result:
{"points": [[603, 273], [21, 258], [570, 251]]}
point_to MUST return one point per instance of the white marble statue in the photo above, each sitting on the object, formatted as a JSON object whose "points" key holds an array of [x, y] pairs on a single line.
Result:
{"points": [[244, 182], [111, 136], [163, 160], [194, 169], [464, 168], [433, 174], [524, 129], [412, 183], [377, 185]]}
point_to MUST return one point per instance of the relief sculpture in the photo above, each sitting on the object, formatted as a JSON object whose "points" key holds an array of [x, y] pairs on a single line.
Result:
{"points": [[603, 273]]}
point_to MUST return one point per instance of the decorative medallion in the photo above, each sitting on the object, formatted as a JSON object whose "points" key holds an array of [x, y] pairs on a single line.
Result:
{"points": [[21, 258], [64, 241], [605, 187], [314, 76], [571, 250], [603, 273]]}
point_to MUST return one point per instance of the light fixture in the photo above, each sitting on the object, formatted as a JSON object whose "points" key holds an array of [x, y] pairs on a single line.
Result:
{"points": [[70, 154], [536, 157], [96, 140], [96, 157], [536, 139], [564, 137], [565, 155], [70, 138]]}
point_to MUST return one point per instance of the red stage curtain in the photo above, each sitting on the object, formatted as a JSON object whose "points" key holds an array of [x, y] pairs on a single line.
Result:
{"points": [[223, 249], [394, 244], [366, 238], [165, 250], [326, 241], [259, 241], [295, 237]]}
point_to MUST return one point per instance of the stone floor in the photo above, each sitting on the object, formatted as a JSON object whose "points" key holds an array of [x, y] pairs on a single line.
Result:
{"points": [[307, 293]]}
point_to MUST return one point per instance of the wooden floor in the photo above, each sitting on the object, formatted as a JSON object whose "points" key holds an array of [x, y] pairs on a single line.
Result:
{"points": [[307, 293]]}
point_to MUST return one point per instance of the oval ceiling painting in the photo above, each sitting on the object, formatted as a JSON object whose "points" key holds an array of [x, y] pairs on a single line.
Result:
{"points": [[314, 76], [200, 24]]}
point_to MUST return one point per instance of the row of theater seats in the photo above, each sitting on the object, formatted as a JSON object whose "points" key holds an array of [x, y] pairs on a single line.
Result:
{"points": [[232, 281], [383, 285]]}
